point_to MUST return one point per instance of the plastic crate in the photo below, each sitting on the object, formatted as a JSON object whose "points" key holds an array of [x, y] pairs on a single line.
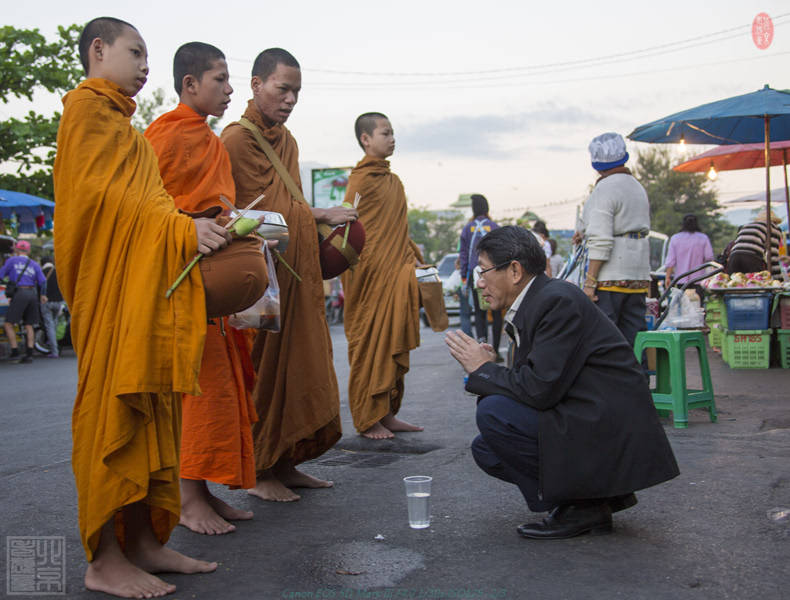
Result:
{"points": [[715, 335], [783, 337], [715, 312], [747, 311], [747, 348], [784, 311]]}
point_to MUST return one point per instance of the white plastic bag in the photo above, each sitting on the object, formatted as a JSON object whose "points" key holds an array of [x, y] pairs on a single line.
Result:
{"points": [[684, 311], [265, 313]]}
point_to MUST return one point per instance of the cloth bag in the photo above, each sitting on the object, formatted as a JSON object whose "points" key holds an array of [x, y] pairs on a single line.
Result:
{"points": [[432, 297]]}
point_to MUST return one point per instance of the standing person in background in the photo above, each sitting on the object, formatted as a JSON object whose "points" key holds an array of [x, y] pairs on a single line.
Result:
{"points": [[541, 234], [51, 306], [556, 261], [688, 248], [24, 307], [747, 254], [615, 223], [464, 308], [475, 230]]}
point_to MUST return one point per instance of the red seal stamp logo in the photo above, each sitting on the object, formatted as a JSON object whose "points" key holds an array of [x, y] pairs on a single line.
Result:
{"points": [[762, 31]]}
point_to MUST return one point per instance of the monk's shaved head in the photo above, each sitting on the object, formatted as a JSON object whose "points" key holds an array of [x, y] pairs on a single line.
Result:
{"points": [[106, 29], [267, 61], [194, 58], [366, 123]]}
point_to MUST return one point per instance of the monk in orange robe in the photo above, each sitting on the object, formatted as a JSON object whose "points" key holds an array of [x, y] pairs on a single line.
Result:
{"points": [[216, 433], [120, 243], [296, 394], [382, 304]]}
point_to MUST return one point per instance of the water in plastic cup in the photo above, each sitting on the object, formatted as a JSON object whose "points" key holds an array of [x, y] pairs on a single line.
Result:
{"points": [[418, 497]]}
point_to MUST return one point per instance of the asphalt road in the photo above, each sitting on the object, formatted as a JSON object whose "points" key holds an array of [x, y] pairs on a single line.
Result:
{"points": [[706, 534]]}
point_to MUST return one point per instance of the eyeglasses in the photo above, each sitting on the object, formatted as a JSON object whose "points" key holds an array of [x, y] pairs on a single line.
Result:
{"points": [[480, 272]]}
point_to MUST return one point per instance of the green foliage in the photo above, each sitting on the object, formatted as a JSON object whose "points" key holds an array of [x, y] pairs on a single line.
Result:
{"points": [[437, 232], [148, 109], [674, 194], [29, 62]]}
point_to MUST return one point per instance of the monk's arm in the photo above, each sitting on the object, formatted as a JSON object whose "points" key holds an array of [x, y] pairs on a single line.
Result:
{"points": [[336, 215]]}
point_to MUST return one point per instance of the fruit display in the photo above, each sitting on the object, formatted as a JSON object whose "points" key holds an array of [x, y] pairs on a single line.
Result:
{"points": [[762, 279]]}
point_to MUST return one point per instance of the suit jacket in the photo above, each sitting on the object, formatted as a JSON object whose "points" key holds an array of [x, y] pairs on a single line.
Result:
{"points": [[599, 432]]}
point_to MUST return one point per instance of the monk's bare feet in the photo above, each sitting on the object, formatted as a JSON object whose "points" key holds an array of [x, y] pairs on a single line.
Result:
{"points": [[291, 477], [226, 511], [197, 513], [393, 424], [378, 432], [268, 487], [156, 558], [112, 573]]}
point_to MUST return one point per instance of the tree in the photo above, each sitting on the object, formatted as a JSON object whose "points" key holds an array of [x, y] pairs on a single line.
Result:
{"points": [[437, 232], [674, 194], [28, 62], [148, 109]]}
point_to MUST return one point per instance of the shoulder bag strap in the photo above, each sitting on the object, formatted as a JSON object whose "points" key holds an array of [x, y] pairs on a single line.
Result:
{"points": [[27, 264], [324, 230]]}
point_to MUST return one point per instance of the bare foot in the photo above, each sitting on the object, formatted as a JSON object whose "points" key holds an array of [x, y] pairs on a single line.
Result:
{"points": [[226, 511], [290, 477], [112, 573], [378, 432], [393, 424], [161, 559], [272, 489], [197, 513]]}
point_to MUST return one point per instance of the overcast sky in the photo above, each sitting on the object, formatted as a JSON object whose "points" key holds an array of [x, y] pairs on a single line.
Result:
{"points": [[499, 98]]}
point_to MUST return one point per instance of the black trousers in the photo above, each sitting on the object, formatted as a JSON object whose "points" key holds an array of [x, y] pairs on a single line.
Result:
{"points": [[507, 447], [626, 311]]}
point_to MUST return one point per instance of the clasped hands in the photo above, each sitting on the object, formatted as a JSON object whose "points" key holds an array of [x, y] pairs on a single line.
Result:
{"points": [[469, 353]]}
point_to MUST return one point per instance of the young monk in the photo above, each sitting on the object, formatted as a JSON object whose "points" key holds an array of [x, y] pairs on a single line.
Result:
{"points": [[216, 439], [381, 319], [120, 244], [296, 393]]}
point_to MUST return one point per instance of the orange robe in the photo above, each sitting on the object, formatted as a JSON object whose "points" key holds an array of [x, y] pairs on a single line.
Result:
{"points": [[216, 433], [120, 243], [381, 313], [296, 394]]}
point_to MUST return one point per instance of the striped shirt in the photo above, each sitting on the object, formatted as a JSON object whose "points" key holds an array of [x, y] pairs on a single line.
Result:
{"points": [[751, 239]]}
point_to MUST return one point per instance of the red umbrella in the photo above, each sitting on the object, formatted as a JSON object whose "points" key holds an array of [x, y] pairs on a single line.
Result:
{"points": [[733, 157]]}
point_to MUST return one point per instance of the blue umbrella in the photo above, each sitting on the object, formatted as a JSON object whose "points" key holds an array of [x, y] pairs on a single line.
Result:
{"points": [[27, 207], [762, 116]]}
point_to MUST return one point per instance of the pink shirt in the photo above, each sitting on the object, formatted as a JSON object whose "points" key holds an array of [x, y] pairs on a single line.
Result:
{"points": [[688, 250]]}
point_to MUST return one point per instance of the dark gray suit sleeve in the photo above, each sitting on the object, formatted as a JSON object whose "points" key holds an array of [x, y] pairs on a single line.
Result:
{"points": [[541, 380]]}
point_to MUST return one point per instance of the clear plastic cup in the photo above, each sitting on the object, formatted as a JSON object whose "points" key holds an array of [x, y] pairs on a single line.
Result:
{"points": [[418, 498]]}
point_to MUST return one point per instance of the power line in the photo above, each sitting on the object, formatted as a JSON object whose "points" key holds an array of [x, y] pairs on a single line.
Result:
{"points": [[522, 80], [648, 52]]}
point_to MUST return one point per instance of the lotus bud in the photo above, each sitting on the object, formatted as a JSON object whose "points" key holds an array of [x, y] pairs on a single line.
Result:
{"points": [[245, 226]]}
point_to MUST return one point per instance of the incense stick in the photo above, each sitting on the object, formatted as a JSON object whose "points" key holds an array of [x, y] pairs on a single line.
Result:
{"points": [[348, 225]]}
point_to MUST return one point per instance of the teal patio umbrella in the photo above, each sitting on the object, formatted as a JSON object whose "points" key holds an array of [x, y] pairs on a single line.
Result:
{"points": [[759, 117]]}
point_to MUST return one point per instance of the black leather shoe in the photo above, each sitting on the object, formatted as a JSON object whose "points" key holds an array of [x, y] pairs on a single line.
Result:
{"points": [[569, 521], [618, 503]]}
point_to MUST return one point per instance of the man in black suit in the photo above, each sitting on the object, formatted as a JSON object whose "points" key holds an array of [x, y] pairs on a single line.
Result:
{"points": [[571, 422]]}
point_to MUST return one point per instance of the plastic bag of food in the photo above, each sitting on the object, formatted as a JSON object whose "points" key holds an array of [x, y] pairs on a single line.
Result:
{"points": [[265, 313]]}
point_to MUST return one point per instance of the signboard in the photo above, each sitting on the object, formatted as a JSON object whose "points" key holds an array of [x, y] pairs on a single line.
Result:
{"points": [[329, 186]]}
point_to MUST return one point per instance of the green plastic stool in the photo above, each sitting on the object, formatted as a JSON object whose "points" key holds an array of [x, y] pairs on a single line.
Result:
{"points": [[671, 393]]}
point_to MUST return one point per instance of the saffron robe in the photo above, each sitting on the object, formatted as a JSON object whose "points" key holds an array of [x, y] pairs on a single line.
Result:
{"points": [[120, 243], [216, 430], [382, 304], [296, 394]]}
